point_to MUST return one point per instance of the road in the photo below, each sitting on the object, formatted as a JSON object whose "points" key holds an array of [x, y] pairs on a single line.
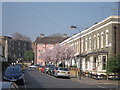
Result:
{"points": [[37, 79]]}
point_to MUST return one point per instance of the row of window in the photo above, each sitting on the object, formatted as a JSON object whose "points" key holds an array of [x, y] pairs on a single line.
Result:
{"points": [[95, 66], [92, 42], [19, 49], [42, 45], [20, 44]]}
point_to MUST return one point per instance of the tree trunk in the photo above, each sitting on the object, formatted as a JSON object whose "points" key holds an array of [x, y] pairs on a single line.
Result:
{"points": [[56, 64], [64, 63]]}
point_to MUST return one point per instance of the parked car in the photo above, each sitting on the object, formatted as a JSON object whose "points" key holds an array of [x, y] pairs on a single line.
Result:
{"points": [[9, 86], [55, 70], [13, 73], [48, 65], [32, 66], [62, 72], [51, 70], [43, 69], [39, 68], [47, 68]]}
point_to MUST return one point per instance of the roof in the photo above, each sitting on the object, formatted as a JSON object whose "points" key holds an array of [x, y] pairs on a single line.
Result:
{"points": [[93, 27], [50, 40]]}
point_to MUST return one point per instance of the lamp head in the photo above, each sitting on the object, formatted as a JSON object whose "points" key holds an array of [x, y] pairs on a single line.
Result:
{"points": [[73, 27]]}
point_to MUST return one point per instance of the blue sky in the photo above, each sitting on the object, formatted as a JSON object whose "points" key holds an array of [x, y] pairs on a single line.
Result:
{"points": [[35, 18]]}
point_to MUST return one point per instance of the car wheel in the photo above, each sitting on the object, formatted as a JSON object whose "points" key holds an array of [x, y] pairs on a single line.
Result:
{"points": [[22, 81], [68, 77], [56, 76]]}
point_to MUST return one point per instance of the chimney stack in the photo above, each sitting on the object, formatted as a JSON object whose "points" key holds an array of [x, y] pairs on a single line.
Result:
{"points": [[64, 35], [41, 35]]}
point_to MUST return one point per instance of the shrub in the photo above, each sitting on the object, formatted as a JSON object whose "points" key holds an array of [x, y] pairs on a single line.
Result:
{"points": [[74, 65]]}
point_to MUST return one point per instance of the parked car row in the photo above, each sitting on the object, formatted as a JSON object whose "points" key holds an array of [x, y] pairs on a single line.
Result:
{"points": [[55, 71]]}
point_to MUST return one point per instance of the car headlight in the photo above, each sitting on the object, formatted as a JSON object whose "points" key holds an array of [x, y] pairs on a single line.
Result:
{"points": [[5, 78], [21, 76]]}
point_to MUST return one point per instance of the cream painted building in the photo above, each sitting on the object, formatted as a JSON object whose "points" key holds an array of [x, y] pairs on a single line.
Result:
{"points": [[95, 45]]}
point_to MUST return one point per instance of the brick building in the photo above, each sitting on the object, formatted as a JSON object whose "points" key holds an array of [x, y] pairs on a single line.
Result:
{"points": [[12, 50], [42, 43], [18, 48]]}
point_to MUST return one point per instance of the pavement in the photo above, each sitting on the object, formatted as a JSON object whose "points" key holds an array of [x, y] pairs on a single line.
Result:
{"points": [[88, 80]]}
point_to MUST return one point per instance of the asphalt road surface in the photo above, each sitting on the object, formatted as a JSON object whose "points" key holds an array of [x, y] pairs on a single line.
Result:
{"points": [[36, 79]]}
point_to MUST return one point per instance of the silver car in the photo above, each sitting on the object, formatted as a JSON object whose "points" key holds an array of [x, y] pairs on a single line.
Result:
{"points": [[62, 72]]}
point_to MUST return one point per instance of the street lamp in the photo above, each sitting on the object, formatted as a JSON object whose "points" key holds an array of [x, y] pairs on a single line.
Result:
{"points": [[76, 28], [79, 74]]}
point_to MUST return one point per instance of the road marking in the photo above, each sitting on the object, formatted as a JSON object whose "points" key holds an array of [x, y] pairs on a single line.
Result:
{"points": [[24, 83]]}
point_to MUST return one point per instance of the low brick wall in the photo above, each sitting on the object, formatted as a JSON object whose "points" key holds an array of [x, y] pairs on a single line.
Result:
{"points": [[74, 71]]}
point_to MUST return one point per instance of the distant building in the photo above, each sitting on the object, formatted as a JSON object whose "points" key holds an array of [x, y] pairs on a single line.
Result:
{"points": [[18, 48], [42, 43], [5, 47], [12, 50], [95, 45]]}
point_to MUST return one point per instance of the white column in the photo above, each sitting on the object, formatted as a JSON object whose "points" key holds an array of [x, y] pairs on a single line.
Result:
{"points": [[100, 66], [78, 66], [73, 62], [88, 64], [83, 64], [91, 62], [99, 62]]}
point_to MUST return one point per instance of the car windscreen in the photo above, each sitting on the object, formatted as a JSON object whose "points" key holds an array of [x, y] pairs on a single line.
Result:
{"points": [[64, 69], [19, 65], [50, 65], [12, 71], [41, 66], [56, 68]]}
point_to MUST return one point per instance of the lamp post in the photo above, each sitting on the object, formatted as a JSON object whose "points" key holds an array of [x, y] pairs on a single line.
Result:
{"points": [[79, 73]]}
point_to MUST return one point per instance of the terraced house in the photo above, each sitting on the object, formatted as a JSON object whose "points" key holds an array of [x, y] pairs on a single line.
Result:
{"points": [[95, 45]]}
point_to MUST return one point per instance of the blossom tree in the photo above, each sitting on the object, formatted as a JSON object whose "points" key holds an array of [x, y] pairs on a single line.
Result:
{"points": [[58, 53], [66, 53], [47, 55]]}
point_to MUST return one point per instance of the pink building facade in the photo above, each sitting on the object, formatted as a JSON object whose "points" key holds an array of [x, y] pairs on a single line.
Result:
{"points": [[43, 43], [40, 49]]}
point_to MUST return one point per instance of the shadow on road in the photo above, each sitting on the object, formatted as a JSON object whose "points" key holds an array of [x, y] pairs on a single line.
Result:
{"points": [[63, 77]]}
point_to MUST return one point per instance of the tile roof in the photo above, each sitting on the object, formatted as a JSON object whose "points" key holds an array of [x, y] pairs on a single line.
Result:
{"points": [[50, 40]]}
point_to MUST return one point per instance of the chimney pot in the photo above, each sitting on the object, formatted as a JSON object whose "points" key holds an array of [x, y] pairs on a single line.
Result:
{"points": [[64, 35], [41, 35]]}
